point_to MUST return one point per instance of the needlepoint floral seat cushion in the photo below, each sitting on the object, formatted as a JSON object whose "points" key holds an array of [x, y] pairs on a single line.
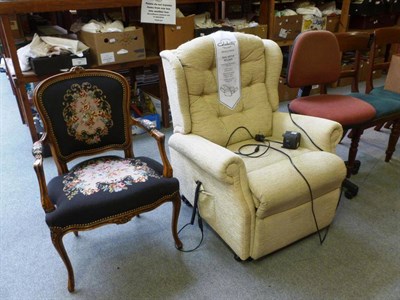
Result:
{"points": [[106, 187]]}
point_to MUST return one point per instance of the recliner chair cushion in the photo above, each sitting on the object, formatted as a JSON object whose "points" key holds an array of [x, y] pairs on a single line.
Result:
{"points": [[266, 174]]}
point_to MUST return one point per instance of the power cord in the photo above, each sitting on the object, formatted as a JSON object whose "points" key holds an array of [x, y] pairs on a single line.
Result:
{"points": [[321, 239], [302, 129], [199, 219], [233, 132], [261, 138]]}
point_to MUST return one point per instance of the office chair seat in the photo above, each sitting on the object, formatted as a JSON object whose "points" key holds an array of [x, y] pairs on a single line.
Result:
{"points": [[345, 110]]}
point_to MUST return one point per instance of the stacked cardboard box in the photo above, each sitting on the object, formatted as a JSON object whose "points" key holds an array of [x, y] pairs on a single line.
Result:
{"points": [[115, 47]]}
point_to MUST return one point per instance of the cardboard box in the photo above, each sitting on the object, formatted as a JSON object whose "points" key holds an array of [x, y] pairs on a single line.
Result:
{"points": [[181, 32], [393, 75], [115, 47], [286, 28], [311, 22], [59, 63], [154, 118], [260, 30]]}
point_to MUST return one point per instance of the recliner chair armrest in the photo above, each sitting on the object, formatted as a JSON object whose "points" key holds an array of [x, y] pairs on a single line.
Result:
{"points": [[214, 159], [326, 134]]}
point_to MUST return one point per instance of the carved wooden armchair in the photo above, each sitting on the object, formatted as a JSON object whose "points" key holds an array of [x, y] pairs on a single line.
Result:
{"points": [[86, 112]]}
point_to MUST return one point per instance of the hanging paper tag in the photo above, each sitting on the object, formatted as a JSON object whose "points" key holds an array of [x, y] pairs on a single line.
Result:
{"points": [[228, 67]]}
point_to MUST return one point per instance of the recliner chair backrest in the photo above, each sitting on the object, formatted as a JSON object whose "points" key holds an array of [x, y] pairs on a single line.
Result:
{"points": [[197, 108]]}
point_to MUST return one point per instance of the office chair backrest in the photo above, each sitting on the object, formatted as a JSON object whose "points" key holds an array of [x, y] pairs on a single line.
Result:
{"points": [[314, 59], [84, 112]]}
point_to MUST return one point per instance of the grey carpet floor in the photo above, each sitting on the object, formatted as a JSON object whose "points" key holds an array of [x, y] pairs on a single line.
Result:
{"points": [[360, 258]]}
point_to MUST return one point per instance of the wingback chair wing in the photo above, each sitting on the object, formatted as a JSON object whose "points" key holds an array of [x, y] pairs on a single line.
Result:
{"points": [[257, 205], [86, 113]]}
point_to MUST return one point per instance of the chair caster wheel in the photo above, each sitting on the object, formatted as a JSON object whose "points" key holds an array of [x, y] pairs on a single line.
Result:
{"points": [[351, 189], [350, 193]]}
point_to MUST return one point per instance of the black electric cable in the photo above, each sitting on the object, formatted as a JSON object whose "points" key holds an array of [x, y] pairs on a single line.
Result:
{"points": [[199, 219], [262, 138], [321, 239], [234, 131], [305, 132], [251, 154]]}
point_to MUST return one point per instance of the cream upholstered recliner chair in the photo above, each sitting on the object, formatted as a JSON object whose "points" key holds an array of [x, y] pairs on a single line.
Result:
{"points": [[257, 205]]}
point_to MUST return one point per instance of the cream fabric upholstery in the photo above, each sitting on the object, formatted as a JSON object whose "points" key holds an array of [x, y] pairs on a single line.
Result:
{"points": [[257, 205]]}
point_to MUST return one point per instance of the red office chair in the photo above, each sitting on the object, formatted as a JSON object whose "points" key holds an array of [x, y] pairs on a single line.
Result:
{"points": [[315, 59]]}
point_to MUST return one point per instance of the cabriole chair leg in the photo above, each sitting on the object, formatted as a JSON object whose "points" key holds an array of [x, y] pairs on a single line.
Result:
{"points": [[56, 237], [176, 202]]}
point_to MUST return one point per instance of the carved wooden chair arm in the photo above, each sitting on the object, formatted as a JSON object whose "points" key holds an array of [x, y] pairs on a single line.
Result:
{"points": [[151, 129], [37, 152]]}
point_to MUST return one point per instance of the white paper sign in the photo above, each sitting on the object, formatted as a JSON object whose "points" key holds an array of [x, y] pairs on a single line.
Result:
{"points": [[228, 67], [158, 11], [107, 57]]}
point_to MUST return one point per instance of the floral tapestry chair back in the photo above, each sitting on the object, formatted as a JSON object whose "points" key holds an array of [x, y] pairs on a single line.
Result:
{"points": [[85, 112]]}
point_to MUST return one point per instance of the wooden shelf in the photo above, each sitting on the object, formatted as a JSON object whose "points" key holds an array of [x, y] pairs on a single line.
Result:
{"points": [[9, 7], [18, 79], [30, 76]]}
